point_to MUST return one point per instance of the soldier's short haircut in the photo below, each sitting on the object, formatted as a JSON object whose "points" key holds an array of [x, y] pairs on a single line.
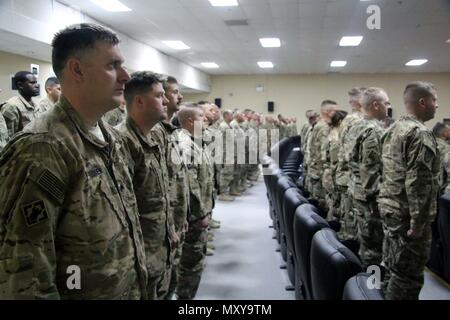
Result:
{"points": [[140, 82], [337, 118], [168, 81], [356, 92], [21, 76], [187, 111], [50, 82], [227, 113], [439, 129], [324, 106], [418, 90], [308, 113], [75, 40], [371, 95]]}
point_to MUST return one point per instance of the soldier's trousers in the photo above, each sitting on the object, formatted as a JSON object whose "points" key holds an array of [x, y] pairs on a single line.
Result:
{"points": [[254, 172], [226, 177], [158, 284], [175, 275], [348, 221], [192, 262], [318, 192], [370, 231]]}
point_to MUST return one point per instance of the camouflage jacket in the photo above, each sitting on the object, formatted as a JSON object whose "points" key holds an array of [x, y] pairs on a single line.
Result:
{"points": [[200, 174], [4, 137], [115, 116], [330, 160], [45, 104], [365, 160], [410, 181], [444, 151], [346, 140], [68, 200], [163, 134], [303, 132], [151, 186], [18, 113], [317, 141]]}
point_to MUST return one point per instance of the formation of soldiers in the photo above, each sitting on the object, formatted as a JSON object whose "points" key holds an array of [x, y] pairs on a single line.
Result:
{"points": [[106, 202], [380, 179]]}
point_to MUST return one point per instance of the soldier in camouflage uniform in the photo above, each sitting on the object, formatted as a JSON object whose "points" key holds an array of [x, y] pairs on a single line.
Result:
{"points": [[201, 176], [346, 139], [226, 174], [330, 159], [146, 103], [53, 89], [317, 141], [408, 193], [442, 134], [4, 137], [116, 116], [365, 174], [307, 129], [67, 194], [21, 110], [240, 171], [163, 133]]}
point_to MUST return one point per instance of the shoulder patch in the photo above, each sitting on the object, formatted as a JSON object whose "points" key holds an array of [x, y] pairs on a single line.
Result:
{"points": [[49, 182], [35, 213]]}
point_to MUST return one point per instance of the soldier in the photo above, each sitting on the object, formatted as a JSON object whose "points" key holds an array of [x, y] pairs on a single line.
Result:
{"points": [[226, 174], [312, 120], [240, 172], [346, 140], [146, 105], [365, 174], [53, 89], [21, 110], [178, 181], [67, 194], [442, 134], [317, 141], [201, 176], [117, 115], [408, 193]]}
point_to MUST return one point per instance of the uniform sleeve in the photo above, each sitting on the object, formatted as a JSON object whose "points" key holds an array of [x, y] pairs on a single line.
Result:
{"points": [[33, 182], [196, 204], [370, 165], [12, 118], [420, 179]]}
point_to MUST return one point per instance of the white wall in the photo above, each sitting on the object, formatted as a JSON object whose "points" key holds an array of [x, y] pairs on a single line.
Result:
{"points": [[39, 20], [294, 94]]}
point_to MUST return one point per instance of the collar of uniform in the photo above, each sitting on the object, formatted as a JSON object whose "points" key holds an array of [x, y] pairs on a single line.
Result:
{"points": [[411, 117], [148, 142], [26, 103], [168, 126], [82, 128]]}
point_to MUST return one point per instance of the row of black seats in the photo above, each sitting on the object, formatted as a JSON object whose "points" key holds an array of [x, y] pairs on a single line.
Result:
{"points": [[319, 266]]}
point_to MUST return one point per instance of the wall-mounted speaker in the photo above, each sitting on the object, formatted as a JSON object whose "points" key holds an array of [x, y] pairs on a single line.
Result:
{"points": [[218, 102], [270, 106]]}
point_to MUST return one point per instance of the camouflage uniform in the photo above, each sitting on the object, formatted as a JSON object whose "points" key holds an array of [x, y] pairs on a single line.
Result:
{"points": [[365, 177], [240, 168], [226, 174], [201, 175], [215, 150], [330, 160], [115, 116], [18, 113], [163, 133], [151, 186], [68, 200], [317, 141], [346, 140], [306, 158], [4, 137], [303, 131], [444, 151], [253, 163], [407, 200], [45, 104]]}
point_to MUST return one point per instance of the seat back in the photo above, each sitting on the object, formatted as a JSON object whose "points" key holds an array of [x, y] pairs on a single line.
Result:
{"points": [[332, 264], [306, 223], [356, 288]]}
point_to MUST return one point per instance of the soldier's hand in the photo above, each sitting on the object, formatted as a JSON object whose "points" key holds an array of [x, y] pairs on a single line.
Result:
{"points": [[174, 240], [414, 234], [203, 223]]}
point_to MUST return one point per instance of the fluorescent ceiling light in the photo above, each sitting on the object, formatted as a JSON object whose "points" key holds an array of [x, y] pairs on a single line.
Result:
{"points": [[265, 64], [224, 3], [416, 62], [270, 42], [210, 65], [111, 5], [177, 45], [350, 41], [338, 64]]}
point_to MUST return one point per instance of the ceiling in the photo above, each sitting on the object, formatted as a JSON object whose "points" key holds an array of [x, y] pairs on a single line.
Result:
{"points": [[310, 31]]}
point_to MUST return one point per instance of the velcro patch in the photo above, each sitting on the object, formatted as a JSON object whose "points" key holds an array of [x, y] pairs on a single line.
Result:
{"points": [[49, 182], [35, 213]]}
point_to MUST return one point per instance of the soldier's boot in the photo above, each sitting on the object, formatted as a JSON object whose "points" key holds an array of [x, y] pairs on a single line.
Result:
{"points": [[210, 236], [226, 197], [214, 224], [211, 246], [209, 252]]}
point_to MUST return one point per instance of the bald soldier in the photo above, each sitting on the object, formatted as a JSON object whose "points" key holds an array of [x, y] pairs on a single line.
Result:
{"points": [[162, 133], [53, 90], [21, 110], [365, 174], [408, 193], [69, 208], [201, 176], [146, 105]]}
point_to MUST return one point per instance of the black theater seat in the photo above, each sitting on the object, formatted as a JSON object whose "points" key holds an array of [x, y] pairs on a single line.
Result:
{"points": [[306, 223], [356, 289], [444, 231], [292, 200], [332, 264]]}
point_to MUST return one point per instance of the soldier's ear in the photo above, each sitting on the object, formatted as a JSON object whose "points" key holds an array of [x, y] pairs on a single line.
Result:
{"points": [[75, 69]]}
